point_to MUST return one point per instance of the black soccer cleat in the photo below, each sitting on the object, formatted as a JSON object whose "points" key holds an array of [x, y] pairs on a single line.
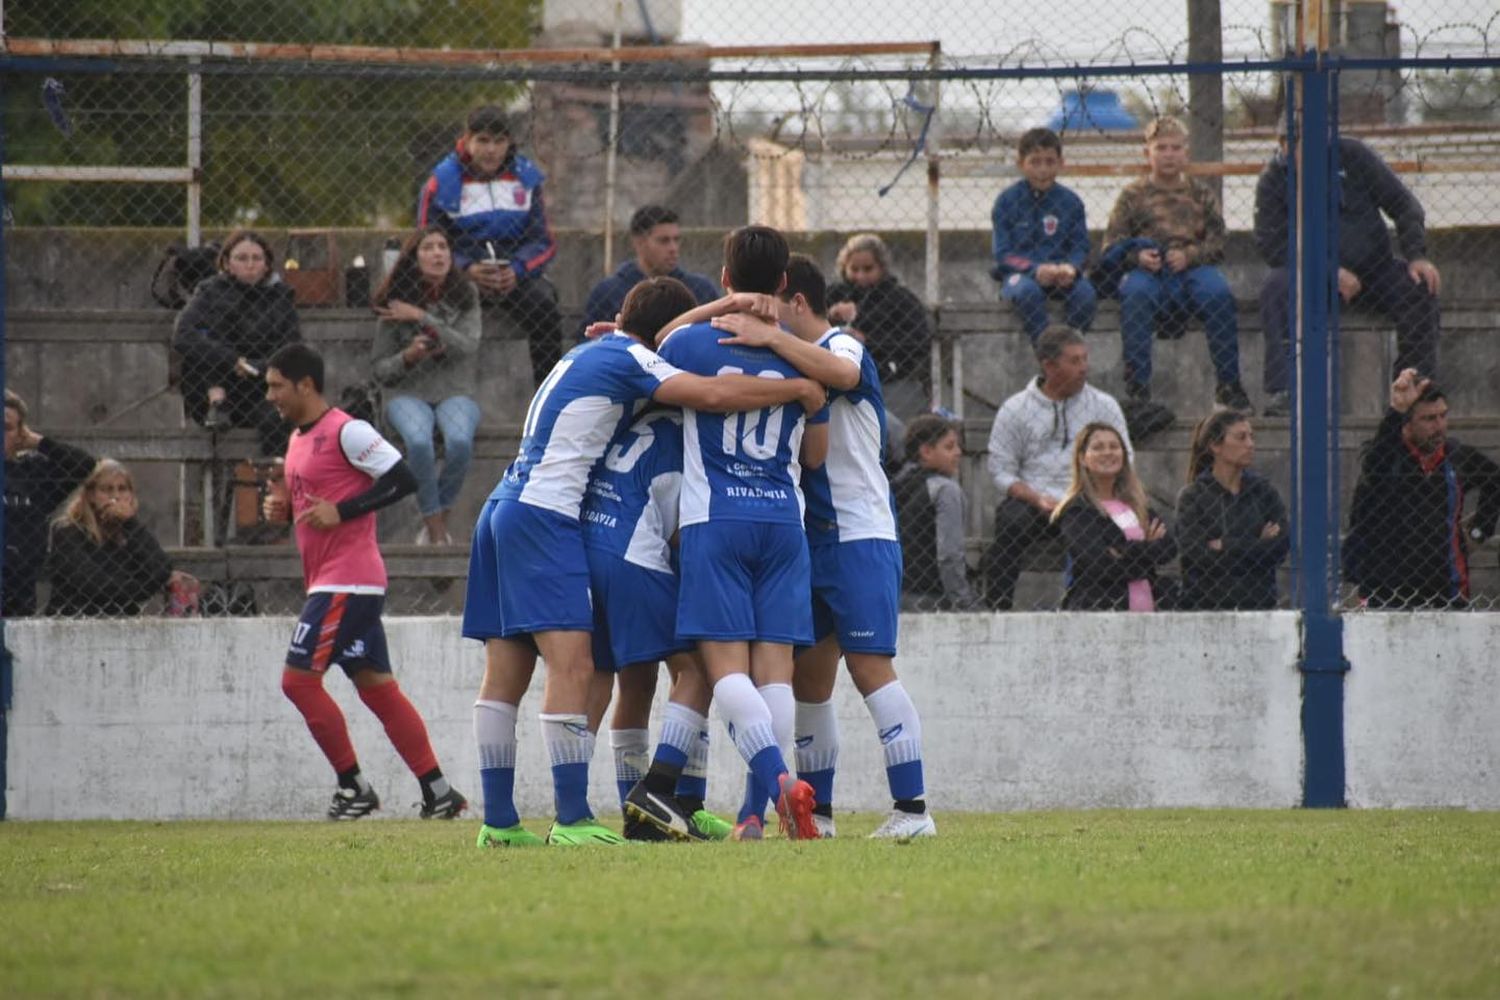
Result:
{"points": [[350, 803], [446, 806], [636, 830], [663, 812]]}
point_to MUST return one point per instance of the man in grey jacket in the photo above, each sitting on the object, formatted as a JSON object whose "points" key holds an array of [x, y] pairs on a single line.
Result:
{"points": [[1030, 453]]}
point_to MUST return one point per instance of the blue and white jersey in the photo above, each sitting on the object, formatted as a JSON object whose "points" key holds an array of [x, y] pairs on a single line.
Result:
{"points": [[631, 506], [849, 496], [737, 466], [589, 396]]}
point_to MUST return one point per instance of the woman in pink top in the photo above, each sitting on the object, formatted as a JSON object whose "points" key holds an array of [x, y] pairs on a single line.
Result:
{"points": [[1114, 541]]}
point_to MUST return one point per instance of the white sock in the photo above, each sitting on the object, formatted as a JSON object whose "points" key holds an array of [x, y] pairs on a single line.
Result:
{"points": [[632, 749], [746, 715], [680, 727], [783, 705], [900, 733], [817, 736], [495, 733], [568, 738]]}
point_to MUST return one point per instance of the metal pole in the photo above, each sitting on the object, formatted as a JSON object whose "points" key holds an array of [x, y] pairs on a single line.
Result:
{"points": [[5, 675], [1206, 91], [1323, 665], [195, 156], [932, 288], [611, 155]]}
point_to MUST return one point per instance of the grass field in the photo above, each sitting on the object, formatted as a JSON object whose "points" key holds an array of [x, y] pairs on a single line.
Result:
{"points": [[1037, 904]]}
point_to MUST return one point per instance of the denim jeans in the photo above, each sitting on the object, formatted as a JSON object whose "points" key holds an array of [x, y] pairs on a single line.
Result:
{"points": [[1202, 292], [1029, 300], [414, 420]]}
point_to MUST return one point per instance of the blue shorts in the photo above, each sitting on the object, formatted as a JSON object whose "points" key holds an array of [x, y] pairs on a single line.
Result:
{"points": [[527, 573], [745, 581], [343, 629], [635, 613], [856, 594]]}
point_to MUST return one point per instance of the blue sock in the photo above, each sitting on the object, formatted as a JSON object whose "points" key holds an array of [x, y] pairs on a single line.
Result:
{"points": [[570, 789], [754, 802], [905, 780], [768, 766], [692, 787], [631, 747], [694, 781], [570, 746], [822, 784], [499, 785], [495, 734], [669, 755]]}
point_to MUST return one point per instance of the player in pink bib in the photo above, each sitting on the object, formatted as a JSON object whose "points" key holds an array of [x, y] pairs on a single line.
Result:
{"points": [[339, 471]]}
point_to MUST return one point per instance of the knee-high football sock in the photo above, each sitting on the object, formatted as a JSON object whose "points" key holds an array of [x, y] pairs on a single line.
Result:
{"points": [[900, 733], [749, 722], [304, 689], [631, 748], [495, 735], [570, 747], [818, 749], [403, 724]]}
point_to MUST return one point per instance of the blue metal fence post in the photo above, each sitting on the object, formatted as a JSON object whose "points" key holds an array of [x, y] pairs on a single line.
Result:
{"points": [[5, 680], [1315, 447]]}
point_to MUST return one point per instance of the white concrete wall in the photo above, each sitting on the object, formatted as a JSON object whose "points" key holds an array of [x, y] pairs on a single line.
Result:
{"points": [[157, 719], [1422, 710]]}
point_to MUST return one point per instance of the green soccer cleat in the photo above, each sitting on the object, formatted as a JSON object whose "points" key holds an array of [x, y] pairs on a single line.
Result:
{"points": [[584, 833], [713, 827], [510, 836]]}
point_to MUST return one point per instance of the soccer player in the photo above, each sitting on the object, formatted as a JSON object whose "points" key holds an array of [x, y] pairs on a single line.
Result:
{"points": [[745, 571], [339, 471], [528, 590], [856, 557]]}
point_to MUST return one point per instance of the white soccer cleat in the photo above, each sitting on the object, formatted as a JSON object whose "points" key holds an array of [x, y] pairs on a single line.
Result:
{"points": [[824, 825], [905, 826]]}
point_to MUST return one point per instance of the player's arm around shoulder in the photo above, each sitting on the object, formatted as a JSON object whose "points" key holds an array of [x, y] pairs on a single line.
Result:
{"points": [[836, 367], [735, 393]]}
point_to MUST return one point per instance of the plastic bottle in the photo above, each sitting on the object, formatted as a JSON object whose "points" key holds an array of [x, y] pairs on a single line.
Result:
{"points": [[357, 284], [389, 255]]}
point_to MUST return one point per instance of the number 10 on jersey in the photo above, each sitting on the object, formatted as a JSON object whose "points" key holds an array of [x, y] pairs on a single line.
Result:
{"points": [[752, 434]]}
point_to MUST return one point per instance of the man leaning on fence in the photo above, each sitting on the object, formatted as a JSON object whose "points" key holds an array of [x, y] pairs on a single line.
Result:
{"points": [[1030, 453], [1404, 288], [489, 198], [1408, 543]]}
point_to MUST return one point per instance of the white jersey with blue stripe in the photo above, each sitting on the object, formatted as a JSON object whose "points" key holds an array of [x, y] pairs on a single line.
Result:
{"points": [[849, 496], [631, 506], [737, 466], [589, 396]]}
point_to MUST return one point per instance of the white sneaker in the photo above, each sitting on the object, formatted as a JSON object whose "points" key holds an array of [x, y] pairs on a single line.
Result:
{"points": [[824, 825], [423, 536], [905, 826]]}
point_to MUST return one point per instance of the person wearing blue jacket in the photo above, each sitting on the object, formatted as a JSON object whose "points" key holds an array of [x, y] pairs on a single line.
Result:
{"points": [[656, 237], [488, 197], [1041, 240]]}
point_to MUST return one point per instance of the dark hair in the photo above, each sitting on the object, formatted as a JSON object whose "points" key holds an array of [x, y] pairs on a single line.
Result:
{"points": [[297, 361], [648, 217], [1432, 394], [652, 304], [487, 119], [1211, 430], [805, 278], [928, 429], [1038, 138], [405, 282], [1054, 340], [755, 258], [239, 236]]}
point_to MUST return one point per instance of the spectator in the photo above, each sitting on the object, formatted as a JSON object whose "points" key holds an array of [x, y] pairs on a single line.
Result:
{"points": [[1115, 542], [1167, 232], [1030, 453], [657, 239], [426, 344], [489, 199], [1407, 545], [232, 324], [1231, 523], [1404, 289], [1041, 240], [104, 561], [39, 474], [930, 511], [869, 302]]}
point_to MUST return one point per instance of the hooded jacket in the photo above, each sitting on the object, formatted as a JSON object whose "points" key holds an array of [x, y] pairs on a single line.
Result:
{"points": [[898, 333], [1031, 440], [503, 213], [1242, 575], [35, 483]]}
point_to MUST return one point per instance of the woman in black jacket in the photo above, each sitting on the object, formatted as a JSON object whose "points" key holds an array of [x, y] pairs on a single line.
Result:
{"points": [[892, 321], [1114, 541], [1231, 522], [233, 323], [103, 560]]}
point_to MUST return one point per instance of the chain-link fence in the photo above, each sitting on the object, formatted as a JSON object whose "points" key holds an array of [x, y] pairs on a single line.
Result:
{"points": [[965, 181]]}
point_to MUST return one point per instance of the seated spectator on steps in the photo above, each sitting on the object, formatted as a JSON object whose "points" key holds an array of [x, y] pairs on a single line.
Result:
{"points": [[1166, 233], [1041, 240], [1031, 454], [1114, 541], [930, 511], [1402, 288], [104, 562], [1231, 523], [40, 472], [426, 352], [232, 324], [488, 197], [871, 303], [657, 240]]}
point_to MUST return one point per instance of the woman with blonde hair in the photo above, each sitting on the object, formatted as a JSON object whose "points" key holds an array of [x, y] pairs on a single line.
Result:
{"points": [[871, 303], [104, 561], [1114, 540]]}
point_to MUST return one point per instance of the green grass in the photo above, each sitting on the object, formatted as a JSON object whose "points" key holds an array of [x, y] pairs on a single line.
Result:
{"points": [[1036, 904]]}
